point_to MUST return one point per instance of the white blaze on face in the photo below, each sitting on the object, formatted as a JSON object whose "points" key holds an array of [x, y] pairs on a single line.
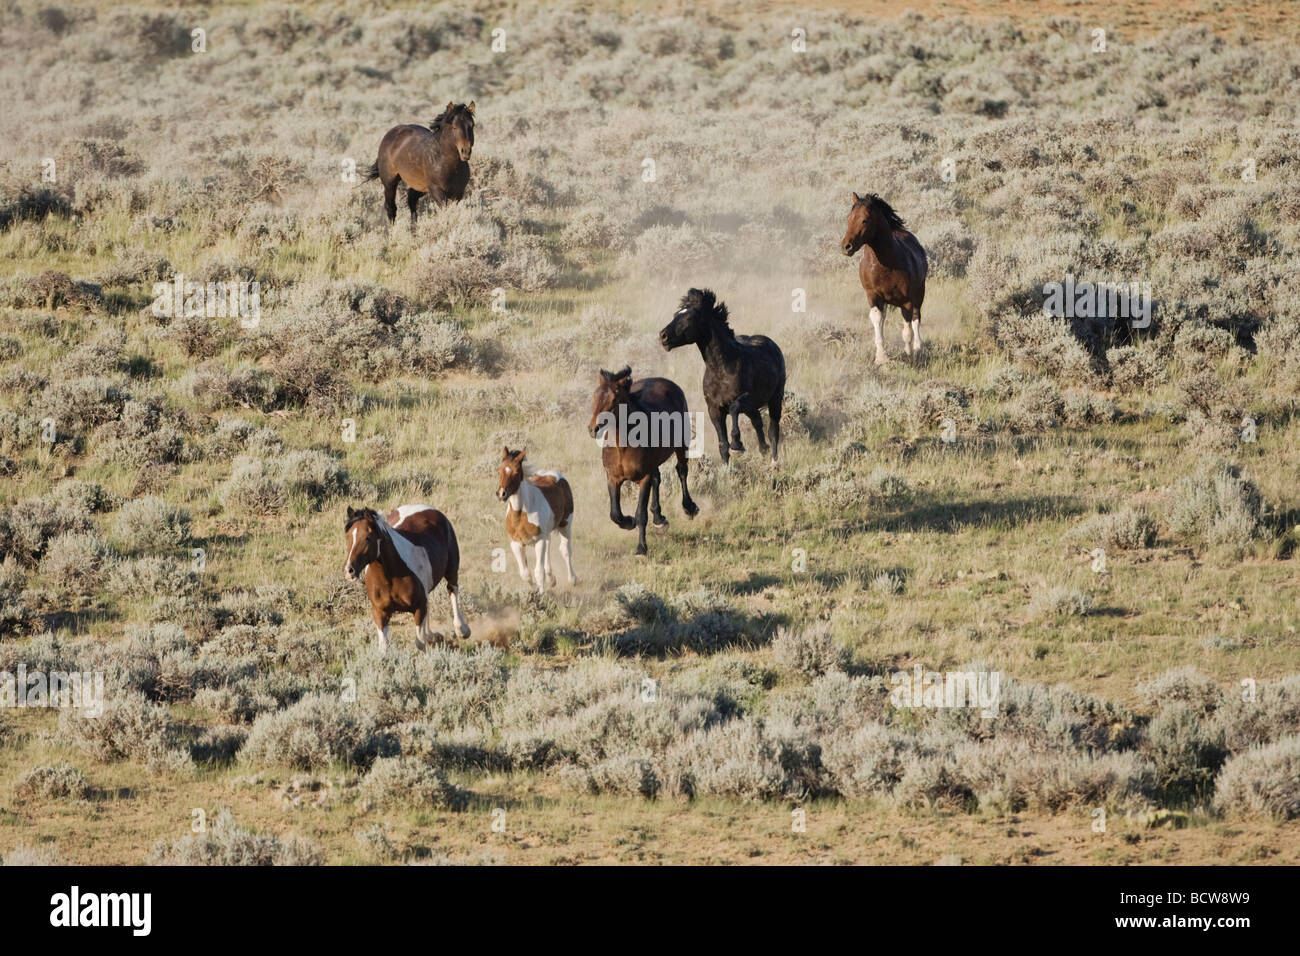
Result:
{"points": [[347, 558]]}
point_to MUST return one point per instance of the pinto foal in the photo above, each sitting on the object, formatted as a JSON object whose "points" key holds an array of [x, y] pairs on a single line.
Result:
{"points": [[537, 503], [401, 557]]}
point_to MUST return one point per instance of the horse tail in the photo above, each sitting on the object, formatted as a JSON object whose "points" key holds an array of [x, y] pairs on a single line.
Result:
{"points": [[371, 174]]}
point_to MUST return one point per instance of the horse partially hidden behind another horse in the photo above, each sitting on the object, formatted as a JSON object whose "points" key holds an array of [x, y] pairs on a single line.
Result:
{"points": [[432, 160], [641, 425], [892, 270], [401, 557], [537, 503], [742, 373]]}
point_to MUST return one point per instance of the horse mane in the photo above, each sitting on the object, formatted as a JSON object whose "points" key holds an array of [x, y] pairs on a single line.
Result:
{"points": [[371, 513], [879, 205], [712, 307], [437, 124], [525, 466], [358, 515]]}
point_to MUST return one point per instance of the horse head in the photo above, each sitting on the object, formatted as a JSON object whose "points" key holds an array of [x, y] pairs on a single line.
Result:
{"points": [[511, 473], [870, 218], [362, 529], [457, 120], [694, 321], [613, 389]]}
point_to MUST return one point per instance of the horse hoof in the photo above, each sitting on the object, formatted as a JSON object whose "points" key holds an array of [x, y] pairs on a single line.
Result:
{"points": [[737, 446], [626, 523], [881, 360], [661, 521], [691, 508], [642, 551]]}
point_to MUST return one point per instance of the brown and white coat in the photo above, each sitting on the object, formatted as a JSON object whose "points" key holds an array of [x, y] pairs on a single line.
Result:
{"points": [[537, 504], [401, 557]]}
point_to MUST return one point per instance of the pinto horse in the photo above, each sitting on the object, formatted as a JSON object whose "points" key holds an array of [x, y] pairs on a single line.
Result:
{"points": [[742, 373], [640, 425], [401, 557], [537, 503], [892, 270], [431, 160]]}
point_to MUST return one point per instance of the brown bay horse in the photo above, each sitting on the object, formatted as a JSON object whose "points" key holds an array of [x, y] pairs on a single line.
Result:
{"points": [[640, 425], [892, 270], [432, 161], [742, 373], [401, 557], [537, 503]]}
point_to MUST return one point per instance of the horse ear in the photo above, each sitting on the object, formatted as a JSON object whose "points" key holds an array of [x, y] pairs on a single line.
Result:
{"points": [[605, 376], [451, 105], [351, 514], [856, 199], [625, 372], [522, 452], [470, 107], [505, 452]]}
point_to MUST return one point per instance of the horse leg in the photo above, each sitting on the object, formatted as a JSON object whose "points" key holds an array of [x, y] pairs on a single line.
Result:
{"points": [[655, 511], [719, 419], [877, 320], [757, 420], [390, 198], [616, 508], [518, 550], [734, 412], [420, 617], [412, 200], [452, 577], [566, 551], [774, 414], [642, 505], [539, 565], [550, 577], [688, 505], [381, 626], [907, 331], [915, 319]]}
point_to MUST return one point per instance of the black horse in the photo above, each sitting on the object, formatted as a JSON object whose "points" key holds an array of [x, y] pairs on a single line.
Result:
{"points": [[742, 373]]}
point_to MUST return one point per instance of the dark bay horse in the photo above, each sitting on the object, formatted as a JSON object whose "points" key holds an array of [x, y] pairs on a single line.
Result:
{"points": [[641, 425], [892, 270], [401, 557], [742, 373], [431, 161], [537, 503]]}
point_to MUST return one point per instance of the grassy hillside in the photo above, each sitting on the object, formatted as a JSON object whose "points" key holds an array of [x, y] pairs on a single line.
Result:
{"points": [[391, 365]]}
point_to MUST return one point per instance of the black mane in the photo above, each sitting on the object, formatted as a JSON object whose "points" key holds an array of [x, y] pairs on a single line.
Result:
{"points": [[879, 205], [439, 122], [357, 516], [708, 303]]}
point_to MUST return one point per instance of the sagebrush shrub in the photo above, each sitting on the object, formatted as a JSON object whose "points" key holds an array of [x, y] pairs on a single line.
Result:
{"points": [[1262, 781], [225, 843], [318, 730], [55, 781], [405, 782], [151, 524], [811, 652]]}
